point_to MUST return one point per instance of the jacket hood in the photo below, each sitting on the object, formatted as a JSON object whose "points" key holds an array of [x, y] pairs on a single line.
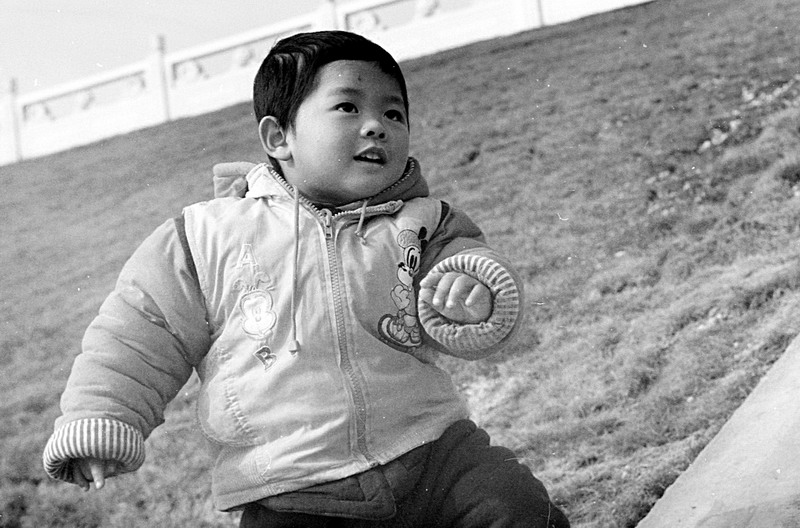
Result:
{"points": [[243, 178]]}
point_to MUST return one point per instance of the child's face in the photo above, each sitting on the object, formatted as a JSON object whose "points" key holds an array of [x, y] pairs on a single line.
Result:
{"points": [[350, 137]]}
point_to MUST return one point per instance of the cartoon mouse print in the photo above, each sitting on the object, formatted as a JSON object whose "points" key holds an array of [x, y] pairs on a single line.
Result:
{"points": [[401, 329]]}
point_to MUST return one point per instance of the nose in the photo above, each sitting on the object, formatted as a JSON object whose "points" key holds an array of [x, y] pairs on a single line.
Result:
{"points": [[372, 128]]}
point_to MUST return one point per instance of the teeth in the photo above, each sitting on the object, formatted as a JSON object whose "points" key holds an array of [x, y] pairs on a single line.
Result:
{"points": [[370, 156]]}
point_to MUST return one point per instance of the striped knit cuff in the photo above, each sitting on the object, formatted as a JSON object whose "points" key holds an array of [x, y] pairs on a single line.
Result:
{"points": [[473, 341], [93, 438]]}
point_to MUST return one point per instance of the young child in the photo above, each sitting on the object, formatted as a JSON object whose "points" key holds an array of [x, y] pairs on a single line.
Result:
{"points": [[312, 297]]}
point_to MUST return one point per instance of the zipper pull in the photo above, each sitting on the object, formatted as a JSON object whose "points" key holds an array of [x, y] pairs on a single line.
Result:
{"points": [[327, 223]]}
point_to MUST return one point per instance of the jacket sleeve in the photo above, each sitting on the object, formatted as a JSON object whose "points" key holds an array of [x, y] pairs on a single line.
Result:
{"points": [[458, 245], [136, 355]]}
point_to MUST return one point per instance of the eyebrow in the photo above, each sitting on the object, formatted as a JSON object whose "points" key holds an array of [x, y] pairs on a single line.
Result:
{"points": [[347, 90]]}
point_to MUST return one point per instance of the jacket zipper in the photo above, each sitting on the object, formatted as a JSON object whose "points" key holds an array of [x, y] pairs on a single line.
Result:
{"points": [[333, 265], [341, 333]]}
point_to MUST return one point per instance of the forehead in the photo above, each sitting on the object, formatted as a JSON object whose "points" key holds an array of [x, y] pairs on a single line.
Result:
{"points": [[352, 74]]}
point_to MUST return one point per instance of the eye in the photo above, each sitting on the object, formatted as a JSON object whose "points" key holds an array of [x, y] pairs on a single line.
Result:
{"points": [[396, 115], [412, 254], [348, 108]]}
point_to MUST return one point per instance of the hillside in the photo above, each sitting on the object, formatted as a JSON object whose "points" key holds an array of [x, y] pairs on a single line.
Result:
{"points": [[641, 169]]}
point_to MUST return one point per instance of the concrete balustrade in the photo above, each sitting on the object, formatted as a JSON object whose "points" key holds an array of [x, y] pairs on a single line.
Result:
{"points": [[211, 76]]}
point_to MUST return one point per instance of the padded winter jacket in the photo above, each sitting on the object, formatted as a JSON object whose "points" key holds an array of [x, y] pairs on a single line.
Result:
{"points": [[315, 360]]}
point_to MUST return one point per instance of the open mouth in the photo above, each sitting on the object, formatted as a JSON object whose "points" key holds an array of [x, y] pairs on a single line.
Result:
{"points": [[372, 155]]}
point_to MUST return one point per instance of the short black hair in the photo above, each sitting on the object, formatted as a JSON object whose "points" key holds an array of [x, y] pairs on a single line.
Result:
{"points": [[288, 74]]}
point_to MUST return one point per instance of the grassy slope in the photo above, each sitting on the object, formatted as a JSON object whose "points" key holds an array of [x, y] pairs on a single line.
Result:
{"points": [[661, 276]]}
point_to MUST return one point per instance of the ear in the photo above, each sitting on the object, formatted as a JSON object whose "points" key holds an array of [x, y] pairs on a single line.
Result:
{"points": [[274, 139]]}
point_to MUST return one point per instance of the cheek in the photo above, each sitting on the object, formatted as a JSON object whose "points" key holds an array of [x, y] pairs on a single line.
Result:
{"points": [[338, 147], [320, 149], [402, 145], [402, 161]]}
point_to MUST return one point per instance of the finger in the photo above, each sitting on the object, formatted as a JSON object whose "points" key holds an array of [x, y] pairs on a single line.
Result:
{"points": [[427, 287], [426, 295], [460, 289], [98, 474], [430, 280], [478, 290], [443, 288]]}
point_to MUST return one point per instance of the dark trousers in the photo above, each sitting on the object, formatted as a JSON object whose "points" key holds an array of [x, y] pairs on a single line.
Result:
{"points": [[462, 482]]}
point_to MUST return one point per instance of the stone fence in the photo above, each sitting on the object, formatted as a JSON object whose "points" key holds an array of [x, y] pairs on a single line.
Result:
{"points": [[204, 78]]}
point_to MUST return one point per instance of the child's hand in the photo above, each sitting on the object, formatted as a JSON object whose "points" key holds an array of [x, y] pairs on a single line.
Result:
{"points": [[457, 296], [86, 470]]}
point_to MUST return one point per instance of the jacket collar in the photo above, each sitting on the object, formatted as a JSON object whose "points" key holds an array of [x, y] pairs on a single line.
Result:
{"points": [[262, 181]]}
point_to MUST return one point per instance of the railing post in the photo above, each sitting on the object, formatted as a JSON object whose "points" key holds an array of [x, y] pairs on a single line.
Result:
{"points": [[528, 15], [10, 139], [541, 13], [327, 17], [157, 77]]}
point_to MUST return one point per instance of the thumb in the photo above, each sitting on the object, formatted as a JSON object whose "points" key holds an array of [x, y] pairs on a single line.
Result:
{"points": [[98, 474]]}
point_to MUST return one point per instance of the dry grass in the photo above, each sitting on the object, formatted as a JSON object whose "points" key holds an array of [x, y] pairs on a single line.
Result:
{"points": [[641, 168]]}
